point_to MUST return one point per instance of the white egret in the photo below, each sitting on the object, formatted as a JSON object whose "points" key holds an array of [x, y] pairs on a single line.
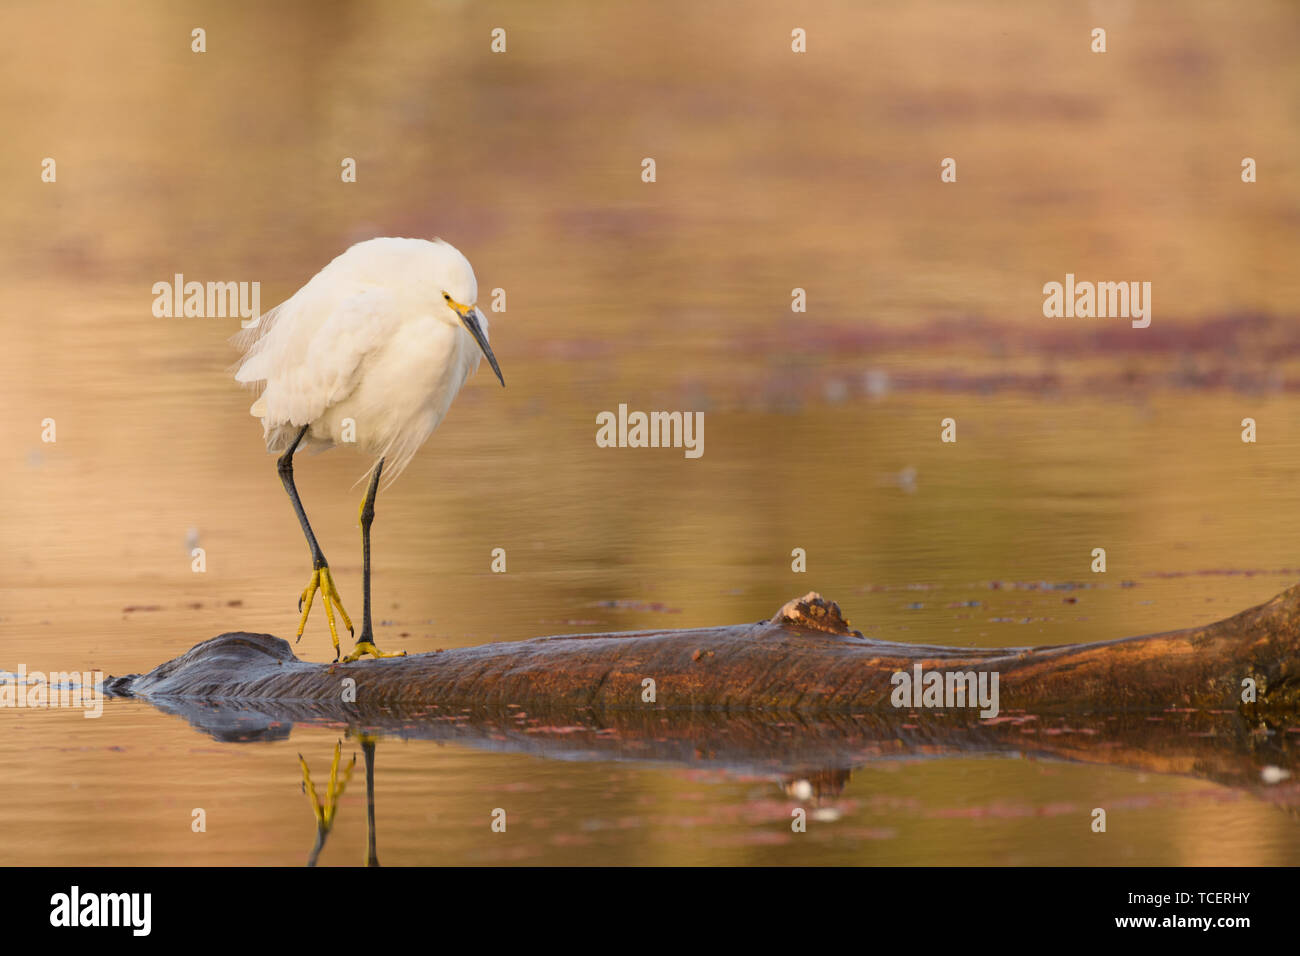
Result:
{"points": [[370, 352]]}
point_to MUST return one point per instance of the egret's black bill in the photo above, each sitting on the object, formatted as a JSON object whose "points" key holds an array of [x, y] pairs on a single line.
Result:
{"points": [[472, 324]]}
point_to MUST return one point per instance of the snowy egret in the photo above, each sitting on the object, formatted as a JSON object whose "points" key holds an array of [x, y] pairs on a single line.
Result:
{"points": [[370, 352]]}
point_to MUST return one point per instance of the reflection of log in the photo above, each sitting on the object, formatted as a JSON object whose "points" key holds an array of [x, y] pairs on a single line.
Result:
{"points": [[806, 659], [823, 749]]}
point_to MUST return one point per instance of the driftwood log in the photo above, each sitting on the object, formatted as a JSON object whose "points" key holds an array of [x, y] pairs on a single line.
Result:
{"points": [[800, 697], [805, 660]]}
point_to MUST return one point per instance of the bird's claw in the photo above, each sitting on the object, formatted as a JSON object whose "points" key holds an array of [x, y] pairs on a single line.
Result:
{"points": [[323, 581], [366, 647], [324, 811]]}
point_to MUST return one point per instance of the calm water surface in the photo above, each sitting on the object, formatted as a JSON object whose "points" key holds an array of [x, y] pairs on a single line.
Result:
{"points": [[961, 549], [822, 428]]}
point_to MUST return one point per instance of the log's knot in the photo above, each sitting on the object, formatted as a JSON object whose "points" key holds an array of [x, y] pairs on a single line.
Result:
{"points": [[814, 611]]}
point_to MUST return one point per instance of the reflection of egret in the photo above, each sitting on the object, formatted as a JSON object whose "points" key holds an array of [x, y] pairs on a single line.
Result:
{"points": [[325, 811], [371, 352]]}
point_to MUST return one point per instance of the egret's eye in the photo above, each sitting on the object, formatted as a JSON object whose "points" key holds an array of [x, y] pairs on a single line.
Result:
{"points": [[446, 296]]}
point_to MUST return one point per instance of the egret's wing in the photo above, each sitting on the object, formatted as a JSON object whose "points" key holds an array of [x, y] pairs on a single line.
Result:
{"points": [[306, 354]]}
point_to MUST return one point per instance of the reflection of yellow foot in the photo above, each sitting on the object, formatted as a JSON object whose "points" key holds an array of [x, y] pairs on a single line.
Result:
{"points": [[323, 581], [325, 812], [366, 647]]}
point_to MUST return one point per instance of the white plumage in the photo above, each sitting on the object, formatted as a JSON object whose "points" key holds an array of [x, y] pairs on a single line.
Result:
{"points": [[381, 337], [370, 352]]}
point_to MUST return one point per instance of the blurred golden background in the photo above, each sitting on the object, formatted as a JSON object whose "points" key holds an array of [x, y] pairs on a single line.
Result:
{"points": [[775, 170]]}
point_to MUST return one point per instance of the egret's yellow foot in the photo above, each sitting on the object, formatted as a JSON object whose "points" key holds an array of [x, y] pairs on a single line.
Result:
{"points": [[323, 581], [366, 647], [325, 812]]}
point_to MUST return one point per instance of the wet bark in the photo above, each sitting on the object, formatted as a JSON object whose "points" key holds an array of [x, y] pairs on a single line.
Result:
{"points": [[806, 659]]}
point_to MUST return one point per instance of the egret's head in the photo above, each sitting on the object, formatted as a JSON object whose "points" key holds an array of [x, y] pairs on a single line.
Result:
{"points": [[459, 292]]}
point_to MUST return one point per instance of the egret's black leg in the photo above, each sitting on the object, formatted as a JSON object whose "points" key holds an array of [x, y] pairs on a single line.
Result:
{"points": [[368, 748], [367, 519], [366, 642], [321, 578], [285, 467]]}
